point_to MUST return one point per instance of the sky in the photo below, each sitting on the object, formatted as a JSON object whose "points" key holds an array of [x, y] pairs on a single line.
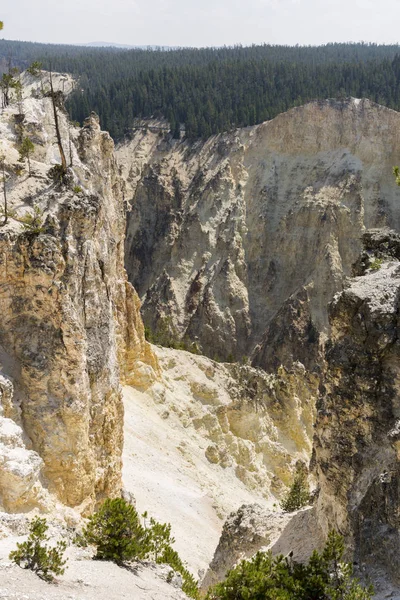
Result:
{"points": [[201, 22]]}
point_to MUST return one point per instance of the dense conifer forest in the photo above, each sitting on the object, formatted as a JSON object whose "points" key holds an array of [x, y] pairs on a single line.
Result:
{"points": [[210, 90]]}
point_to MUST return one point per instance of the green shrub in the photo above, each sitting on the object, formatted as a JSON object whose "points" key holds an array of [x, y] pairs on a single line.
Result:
{"points": [[32, 221], [165, 336], [56, 173], [171, 557], [264, 577], [36, 555], [35, 69], [299, 493], [77, 189], [376, 264], [159, 538], [116, 532]]}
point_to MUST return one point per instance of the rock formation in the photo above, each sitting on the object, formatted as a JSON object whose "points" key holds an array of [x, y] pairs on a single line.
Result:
{"points": [[208, 437], [252, 529], [356, 448], [223, 234], [70, 328]]}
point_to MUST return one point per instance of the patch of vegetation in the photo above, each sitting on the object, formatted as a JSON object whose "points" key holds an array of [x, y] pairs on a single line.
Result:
{"points": [[376, 264], [26, 149], [32, 222], [35, 69], [116, 532], [210, 90], [56, 173], [165, 336], [77, 189], [324, 577], [171, 557], [118, 535], [299, 493], [36, 555]]}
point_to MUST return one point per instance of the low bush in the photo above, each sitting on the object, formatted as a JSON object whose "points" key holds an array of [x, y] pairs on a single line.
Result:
{"points": [[376, 264], [324, 577], [116, 532], [36, 555], [118, 535], [32, 222]]}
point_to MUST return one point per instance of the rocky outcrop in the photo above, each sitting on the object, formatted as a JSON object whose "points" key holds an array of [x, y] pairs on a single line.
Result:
{"points": [[290, 334], [20, 467], [244, 533], [71, 329], [256, 424], [252, 529], [356, 447], [223, 234]]}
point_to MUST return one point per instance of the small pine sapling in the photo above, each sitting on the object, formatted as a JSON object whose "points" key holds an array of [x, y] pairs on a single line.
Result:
{"points": [[299, 493], [36, 555], [25, 150], [116, 532]]}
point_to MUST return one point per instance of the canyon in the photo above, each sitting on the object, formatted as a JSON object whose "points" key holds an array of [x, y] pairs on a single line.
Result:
{"points": [[267, 259]]}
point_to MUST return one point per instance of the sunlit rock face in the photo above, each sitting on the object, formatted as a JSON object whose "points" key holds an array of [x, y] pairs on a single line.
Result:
{"points": [[70, 327], [223, 234]]}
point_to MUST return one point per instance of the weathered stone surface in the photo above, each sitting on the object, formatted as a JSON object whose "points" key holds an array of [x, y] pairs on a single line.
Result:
{"points": [[20, 467], [221, 234], [290, 334], [253, 528], [356, 447], [245, 532], [70, 330], [254, 423]]}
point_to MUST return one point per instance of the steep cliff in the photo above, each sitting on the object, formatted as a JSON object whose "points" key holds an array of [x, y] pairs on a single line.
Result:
{"points": [[223, 234], [70, 328], [356, 447]]}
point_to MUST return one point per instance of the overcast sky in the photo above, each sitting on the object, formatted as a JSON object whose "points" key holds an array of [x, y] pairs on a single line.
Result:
{"points": [[201, 22]]}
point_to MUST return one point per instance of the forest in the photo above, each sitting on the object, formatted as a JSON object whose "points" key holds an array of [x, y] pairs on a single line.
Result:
{"points": [[209, 90]]}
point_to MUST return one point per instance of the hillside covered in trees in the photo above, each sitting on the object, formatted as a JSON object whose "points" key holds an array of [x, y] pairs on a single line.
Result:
{"points": [[210, 90]]}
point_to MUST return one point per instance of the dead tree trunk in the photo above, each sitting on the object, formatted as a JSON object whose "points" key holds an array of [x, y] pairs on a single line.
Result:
{"points": [[58, 135], [3, 168]]}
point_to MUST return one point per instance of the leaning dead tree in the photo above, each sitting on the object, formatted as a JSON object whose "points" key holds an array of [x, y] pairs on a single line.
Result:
{"points": [[3, 171], [58, 134]]}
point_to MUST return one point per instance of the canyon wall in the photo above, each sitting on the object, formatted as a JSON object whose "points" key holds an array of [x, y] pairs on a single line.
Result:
{"points": [[70, 330], [225, 234], [356, 444]]}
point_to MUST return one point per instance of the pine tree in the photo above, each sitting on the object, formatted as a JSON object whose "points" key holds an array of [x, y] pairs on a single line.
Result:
{"points": [[299, 493], [116, 532], [25, 150], [36, 555]]}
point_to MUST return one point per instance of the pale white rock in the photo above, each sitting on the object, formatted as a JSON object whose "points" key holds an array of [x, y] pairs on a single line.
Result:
{"points": [[209, 437]]}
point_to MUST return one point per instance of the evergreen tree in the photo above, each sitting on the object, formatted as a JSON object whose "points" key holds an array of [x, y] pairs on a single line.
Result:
{"points": [[299, 492], [264, 577], [116, 532], [25, 150], [36, 555]]}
